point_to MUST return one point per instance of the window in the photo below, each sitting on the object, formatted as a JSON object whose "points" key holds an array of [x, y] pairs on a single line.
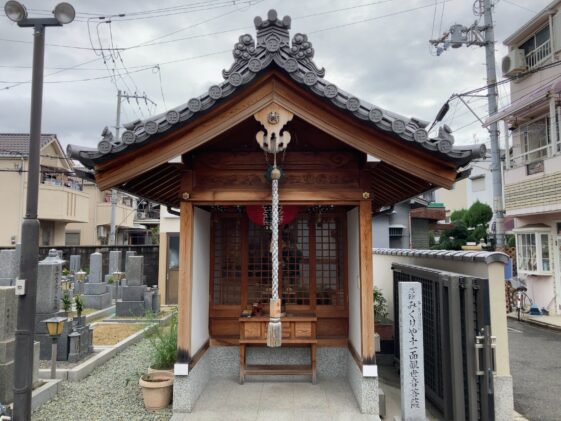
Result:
{"points": [[533, 252], [537, 48], [534, 141], [478, 183], [72, 239]]}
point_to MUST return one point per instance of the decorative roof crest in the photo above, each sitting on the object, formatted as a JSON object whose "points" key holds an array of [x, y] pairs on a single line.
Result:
{"points": [[272, 45]]}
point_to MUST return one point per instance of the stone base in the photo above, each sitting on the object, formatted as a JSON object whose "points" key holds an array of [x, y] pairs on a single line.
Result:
{"points": [[130, 309], [187, 389], [365, 389], [7, 382], [224, 362], [133, 293], [504, 401], [36, 352], [97, 302], [95, 289]]}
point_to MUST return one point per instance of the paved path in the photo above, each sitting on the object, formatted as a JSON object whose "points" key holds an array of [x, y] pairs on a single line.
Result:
{"points": [[535, 364]]}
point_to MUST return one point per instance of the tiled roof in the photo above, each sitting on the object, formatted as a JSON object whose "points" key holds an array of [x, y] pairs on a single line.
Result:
{"points": [[18, 143], [252, 57]]}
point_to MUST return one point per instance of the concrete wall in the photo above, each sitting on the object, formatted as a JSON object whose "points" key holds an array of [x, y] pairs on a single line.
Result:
{"points": [[201, 275], [380, 231], [453, 199], [354, 279]]}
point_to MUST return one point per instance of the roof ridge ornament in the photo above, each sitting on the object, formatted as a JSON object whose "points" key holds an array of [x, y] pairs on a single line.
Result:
{"points": [[273, 44]]}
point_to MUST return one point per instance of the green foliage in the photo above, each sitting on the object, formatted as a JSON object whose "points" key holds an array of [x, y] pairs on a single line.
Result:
{"points": [[479, 214], [110, 280], [470, 225], [155, 234], [458, 215], [66, 303], [164, 344], [65, 272], [79, 304], [380, 306], [510, 240]]}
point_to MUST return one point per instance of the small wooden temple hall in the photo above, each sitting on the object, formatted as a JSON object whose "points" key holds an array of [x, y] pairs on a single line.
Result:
{"points": [[336, 160]]}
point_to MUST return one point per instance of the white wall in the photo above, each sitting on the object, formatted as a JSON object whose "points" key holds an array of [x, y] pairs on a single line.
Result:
{"points": [[354, 279], [201, 267]]}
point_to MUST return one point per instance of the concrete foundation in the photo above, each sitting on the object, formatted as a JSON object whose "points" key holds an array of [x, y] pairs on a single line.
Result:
{"points": [[130, 308], [97, 301], [223, 362]]}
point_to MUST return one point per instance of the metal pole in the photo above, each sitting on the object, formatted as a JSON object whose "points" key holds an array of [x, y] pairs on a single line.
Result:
{"points": [[23, 370], [492, 93], [112, 232], [54, 352]]}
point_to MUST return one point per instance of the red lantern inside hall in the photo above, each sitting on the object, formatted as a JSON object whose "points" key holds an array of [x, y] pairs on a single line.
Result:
{"points": [[261, 214]]}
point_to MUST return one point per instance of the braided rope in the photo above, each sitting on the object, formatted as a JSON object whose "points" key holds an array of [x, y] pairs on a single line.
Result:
{"points": [[275, 240]]}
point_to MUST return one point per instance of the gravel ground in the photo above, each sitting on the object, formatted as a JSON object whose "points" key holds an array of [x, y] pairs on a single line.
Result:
{"points": [[111, 392]]}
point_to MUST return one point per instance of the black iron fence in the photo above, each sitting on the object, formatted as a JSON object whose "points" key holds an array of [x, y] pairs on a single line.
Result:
{"points": [[458, 358]]}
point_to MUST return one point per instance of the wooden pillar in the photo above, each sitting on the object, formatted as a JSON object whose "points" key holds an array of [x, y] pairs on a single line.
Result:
{"points": [[185, 282], [366, 282]]}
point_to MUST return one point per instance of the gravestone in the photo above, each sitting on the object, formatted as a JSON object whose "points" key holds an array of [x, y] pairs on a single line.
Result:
{"points": [[75, 263], [411, 356], [96, 293], [49, 273], [128, 254], [114, 262], [9, 267], [8, 310], [96, 269], [133, 294]]}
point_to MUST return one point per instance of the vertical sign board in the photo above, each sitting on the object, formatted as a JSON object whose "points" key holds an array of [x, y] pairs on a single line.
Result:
{"points": [[411, 352]]}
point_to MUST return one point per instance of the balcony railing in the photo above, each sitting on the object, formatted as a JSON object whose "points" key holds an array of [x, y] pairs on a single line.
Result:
{"points": [[539, 54], [60, 203]]}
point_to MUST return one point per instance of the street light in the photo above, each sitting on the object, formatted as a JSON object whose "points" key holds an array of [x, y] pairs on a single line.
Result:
{"points": [[23, 378], [55, 327]]}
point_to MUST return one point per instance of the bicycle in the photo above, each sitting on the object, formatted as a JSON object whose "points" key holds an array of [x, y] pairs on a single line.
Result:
{"points": [[522, 301]]}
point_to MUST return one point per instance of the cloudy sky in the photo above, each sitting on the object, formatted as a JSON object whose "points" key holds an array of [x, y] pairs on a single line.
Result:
{"points": [[173, 50]]}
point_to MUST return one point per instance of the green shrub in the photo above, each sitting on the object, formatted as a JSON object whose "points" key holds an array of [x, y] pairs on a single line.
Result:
{"points": [[164, 344], [79, 304], [380, 306], [66, 303]]}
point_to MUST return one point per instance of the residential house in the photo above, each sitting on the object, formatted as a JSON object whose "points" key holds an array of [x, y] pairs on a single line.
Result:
{"points": [[408, 224], [71, 211], [61, 197], [531, 127]]}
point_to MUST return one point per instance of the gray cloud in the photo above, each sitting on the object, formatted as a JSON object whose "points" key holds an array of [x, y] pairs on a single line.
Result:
{"points": [[384, 61]]}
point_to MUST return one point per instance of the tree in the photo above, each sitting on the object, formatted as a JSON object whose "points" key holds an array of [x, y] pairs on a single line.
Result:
{"points": [[469, 225]]}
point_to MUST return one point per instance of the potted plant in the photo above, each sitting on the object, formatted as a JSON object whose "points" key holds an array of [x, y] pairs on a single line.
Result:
{"points": [[66, 304], [156, 389], [164, 346], [383, 326]]}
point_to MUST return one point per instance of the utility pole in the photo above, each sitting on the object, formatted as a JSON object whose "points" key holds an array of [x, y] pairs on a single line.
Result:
{"points": [[120, 96], [459, 36]]}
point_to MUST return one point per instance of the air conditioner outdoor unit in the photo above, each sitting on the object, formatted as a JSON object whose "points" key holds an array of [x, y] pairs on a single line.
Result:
{"points": [[514, 62], [101, 231]]}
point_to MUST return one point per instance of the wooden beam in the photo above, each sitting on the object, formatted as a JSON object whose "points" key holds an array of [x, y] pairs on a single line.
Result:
{"points": [[366, 282], [184, 316], [286, 195]]}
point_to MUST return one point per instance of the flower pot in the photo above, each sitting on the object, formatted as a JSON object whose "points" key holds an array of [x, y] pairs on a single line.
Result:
{"points": [[156, 390], [160, 370], [385, 330]]}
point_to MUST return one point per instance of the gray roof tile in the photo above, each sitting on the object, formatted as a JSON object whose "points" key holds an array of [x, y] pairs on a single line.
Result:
{"points": [[18, 143]]}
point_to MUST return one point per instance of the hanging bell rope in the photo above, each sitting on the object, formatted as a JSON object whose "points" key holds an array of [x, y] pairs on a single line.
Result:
{"points": [[274, 140], [274, 331]]}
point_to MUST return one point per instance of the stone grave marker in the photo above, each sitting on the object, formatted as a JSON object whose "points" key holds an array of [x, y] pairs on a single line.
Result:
{"points": [[8, 310], [411, 357], [133, 294], [9, 267], [75, 263], [127, 255], [95, 275]]}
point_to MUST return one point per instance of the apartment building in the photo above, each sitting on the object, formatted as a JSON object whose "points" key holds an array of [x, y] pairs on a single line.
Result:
{"points": [[531, 128]]}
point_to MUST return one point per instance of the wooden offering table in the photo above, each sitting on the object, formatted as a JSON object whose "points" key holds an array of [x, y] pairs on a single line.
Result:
{"points": [[297, 330]]}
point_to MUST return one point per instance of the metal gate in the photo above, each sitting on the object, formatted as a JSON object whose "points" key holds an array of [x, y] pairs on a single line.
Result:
{"points": [[458, 348]]}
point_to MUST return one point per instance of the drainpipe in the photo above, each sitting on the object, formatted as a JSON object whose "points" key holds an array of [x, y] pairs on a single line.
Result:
{"points": [[552, 125]]}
